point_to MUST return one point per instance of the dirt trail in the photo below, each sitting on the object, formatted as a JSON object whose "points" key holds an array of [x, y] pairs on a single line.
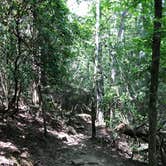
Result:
{"points": [[23, 144], [81, 150]]}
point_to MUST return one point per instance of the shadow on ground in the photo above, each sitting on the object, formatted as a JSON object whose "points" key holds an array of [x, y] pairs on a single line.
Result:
{"points": [[22, 143]]}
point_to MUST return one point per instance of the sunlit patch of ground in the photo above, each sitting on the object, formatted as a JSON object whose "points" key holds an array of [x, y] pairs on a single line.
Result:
{"points": [[23, 144]]}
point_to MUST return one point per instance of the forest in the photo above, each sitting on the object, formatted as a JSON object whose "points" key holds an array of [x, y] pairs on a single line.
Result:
{"points": [[82, 83]]}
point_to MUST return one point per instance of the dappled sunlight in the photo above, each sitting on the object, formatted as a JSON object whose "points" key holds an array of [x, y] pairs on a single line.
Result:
{"points": [[8, 153], [82, 83], [5, 160], [68, 146], [8, 146]]}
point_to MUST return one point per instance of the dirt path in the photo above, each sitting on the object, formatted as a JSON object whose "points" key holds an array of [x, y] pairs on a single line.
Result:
{"points": [[88, 153], [91, 153], [81, 150], [23, 144]]}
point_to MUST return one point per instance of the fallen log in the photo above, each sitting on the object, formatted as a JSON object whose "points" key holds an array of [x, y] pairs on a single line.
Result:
{"points": [[142, 133], [137, 132]]}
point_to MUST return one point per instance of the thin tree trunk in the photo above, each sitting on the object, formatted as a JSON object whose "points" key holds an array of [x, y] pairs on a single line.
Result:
{"points": [[93, 116], [14, 101], [41, 109], [98, 69], [37, 96], [112, 81], [122, 26], [5, 88], [35, 92], [154, 83]]}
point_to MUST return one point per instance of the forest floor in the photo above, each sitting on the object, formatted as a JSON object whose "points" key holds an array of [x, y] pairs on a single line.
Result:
{"points": [[22, 144]]}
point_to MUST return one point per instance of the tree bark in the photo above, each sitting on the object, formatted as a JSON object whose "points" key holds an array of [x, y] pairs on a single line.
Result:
{"points": [[42, 110], [5, 87], [37, 96], [99, 90], [93, 117], [156, 41], [13, 104]]}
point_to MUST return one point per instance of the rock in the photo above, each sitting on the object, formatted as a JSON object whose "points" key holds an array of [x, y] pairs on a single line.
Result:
{"points": [[62, 136], [85, 117], [78, 162], [71, 130], [93, 161], [25, 155], [24, 162]]}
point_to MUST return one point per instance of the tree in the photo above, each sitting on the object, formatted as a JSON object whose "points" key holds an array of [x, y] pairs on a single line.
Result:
{"points": [[156, 40], [49, 54], [98, 76], [34, 52]]}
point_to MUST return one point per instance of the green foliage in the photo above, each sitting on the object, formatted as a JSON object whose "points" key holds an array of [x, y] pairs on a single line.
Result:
{"points": [[126, 33], [45, 36], [66, 45]]}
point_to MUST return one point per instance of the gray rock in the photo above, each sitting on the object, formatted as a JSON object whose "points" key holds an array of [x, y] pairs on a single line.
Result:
{"points": [[25, 155], [77, 162], [93, 162], [71, 130]]}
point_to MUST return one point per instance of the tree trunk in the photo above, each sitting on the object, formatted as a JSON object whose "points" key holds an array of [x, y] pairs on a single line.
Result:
{"points": [[37, 94], [35, 67], [154, 83], [5, 87], [93, 117], [98, 76], [13, 104], [41, 109]]}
